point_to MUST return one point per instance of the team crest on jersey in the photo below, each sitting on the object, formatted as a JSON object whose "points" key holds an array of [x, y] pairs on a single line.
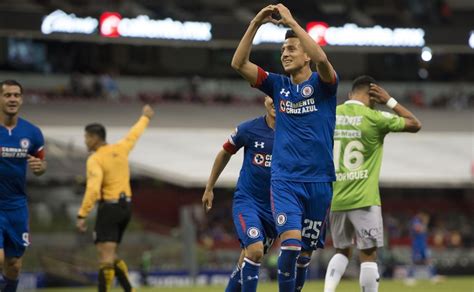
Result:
{"points": [[25, 143], [253, 232], [307, 90], [281, 219]]}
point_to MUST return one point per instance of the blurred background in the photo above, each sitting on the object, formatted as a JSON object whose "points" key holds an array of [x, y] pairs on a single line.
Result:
{"points": [[84, 61]]}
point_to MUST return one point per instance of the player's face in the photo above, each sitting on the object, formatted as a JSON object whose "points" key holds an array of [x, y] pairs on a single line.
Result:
{"points": [[11, 99], [270, 106], [293, 58], [90, 141]]}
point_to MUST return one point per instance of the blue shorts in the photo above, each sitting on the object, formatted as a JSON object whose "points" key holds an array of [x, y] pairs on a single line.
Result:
{"points": [[420, 254], [302, 206], [14, 237], [253, 223]]}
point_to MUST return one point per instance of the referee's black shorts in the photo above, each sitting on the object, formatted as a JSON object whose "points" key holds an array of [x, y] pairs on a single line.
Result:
{"points": [[112, 219]]}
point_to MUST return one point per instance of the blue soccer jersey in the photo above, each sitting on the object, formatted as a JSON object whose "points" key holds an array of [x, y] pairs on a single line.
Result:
{"points": [[305, 121], [257, 139], [251, 209], [419, 238], [15, 146]]}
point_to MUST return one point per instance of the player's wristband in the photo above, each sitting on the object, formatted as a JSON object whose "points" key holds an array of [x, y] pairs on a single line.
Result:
{"points": [[391, 103]]}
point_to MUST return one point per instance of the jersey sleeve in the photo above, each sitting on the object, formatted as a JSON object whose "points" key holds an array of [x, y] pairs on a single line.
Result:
{"points": [[38, 145], [266, 82], [93, 186], [135, 132], [329, 89], [236, 140], [387, 122]]}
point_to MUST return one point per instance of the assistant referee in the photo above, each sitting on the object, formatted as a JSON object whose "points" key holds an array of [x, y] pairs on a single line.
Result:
{"points": [[108, 182]]}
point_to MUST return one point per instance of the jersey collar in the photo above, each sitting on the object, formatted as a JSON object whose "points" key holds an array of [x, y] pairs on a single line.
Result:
{"points": [[354, 102]]}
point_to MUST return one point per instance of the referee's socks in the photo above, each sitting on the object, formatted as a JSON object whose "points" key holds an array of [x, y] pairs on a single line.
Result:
{"points": [[121, 272], [106, 277]]}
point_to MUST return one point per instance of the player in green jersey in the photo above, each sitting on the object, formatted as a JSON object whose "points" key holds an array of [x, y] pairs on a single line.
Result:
{"points": [[358, 148]]}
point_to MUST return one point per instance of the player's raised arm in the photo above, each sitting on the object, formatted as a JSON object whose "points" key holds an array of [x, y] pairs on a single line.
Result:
{"points": [[220, 163], [314, 51], [381, 96], [241, 60]]}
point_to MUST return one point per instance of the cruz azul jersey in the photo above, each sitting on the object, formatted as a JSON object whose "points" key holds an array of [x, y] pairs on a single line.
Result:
{"points": [[305, 118], [15, 146], [419, 235], [257, 139], [358, 151]]}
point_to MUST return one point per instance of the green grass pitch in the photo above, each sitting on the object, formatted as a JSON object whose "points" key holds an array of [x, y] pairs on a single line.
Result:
{"points": [[458, 284]]}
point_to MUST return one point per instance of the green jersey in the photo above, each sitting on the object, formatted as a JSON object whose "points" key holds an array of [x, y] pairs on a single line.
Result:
{"points": [[358, 150]]}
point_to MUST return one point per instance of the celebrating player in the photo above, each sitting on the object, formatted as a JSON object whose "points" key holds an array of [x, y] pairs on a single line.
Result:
{"points": [[108, 182], [358, 147], [302, 167], [21, 143], [251, 206]]}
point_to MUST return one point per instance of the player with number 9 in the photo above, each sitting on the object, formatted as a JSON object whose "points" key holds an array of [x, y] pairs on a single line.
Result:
{"points": [[21, 144]]}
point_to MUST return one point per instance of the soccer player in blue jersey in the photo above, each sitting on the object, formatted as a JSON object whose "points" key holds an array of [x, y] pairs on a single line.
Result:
{"points": [[419, 247], [302, 167], [21, 144], [251, 206]]}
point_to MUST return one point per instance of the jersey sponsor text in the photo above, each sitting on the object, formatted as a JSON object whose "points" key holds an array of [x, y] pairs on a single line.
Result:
{"points": [[348, 120], [302, 107]]}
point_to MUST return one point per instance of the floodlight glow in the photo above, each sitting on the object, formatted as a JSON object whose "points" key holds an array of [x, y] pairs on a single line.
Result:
{"points": [[352, 35], [426, 54], [113, 25], [471, 40], [60, 21], [144, 27], [270, 33], [423, 73], [348, 35]]}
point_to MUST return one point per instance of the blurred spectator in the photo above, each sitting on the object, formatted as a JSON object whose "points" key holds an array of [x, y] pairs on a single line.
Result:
{"points": [[417, 98], [109, 87], [145, 267]]}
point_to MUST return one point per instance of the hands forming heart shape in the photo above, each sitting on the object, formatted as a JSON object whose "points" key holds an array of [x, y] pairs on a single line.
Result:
{"points": [[276, 14]]}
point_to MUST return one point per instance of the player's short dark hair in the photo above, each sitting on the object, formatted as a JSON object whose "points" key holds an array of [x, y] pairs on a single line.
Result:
{"points": [[362, 81], [11, 82], [96, 129], [290, 34]]}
